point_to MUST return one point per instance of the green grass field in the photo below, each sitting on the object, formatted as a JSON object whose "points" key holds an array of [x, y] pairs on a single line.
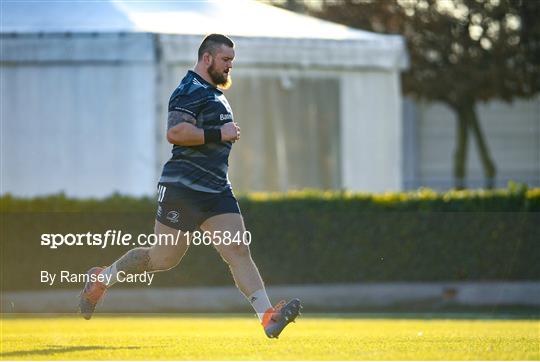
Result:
{"points": [[239, 338]]}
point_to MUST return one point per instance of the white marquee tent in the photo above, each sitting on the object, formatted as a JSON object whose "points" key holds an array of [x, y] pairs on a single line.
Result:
{"points": [[85, 85]]}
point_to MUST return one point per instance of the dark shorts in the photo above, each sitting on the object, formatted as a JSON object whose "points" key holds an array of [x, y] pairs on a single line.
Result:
{"points": [[186, 209]]}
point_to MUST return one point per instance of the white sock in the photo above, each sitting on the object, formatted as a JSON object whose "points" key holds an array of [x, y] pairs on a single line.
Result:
{"points": [[260, 302], [110, 272]]}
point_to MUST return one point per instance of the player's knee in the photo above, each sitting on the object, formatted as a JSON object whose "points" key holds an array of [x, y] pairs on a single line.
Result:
{"points": [[165, 261], [235, 252]]}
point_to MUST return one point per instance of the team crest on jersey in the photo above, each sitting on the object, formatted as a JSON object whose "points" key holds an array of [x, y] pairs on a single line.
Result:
{"points": [[173, 216]]}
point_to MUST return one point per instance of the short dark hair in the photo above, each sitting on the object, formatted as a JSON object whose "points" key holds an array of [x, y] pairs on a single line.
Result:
{"points": [[212, 42]]}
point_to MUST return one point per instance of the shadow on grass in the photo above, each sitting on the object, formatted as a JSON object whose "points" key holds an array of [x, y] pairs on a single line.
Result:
{"points": [[60, 349]]}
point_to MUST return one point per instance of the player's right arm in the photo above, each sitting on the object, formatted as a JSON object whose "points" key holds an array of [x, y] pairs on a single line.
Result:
{"points": [[182, 130]]}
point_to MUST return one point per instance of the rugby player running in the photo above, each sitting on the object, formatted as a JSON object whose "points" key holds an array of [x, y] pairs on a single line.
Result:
{"points": [[194, 191]]}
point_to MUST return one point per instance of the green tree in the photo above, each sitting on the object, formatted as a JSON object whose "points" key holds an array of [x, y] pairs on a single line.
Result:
{"points": [[462, 52]]}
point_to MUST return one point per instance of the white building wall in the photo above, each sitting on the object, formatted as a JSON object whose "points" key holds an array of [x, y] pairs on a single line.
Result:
{"points": [[85, 114], [371, 141], [83, 127], [512, 132]]}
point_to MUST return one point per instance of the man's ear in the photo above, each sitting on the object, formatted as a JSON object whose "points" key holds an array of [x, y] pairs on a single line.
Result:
{"points": [[207, 58]]}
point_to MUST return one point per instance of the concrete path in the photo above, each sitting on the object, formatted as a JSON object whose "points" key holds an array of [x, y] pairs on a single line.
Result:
{"points": [[328, 298]]}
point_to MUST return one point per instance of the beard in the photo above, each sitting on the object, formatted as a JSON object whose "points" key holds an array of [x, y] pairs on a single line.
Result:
{"points": [[221, 80]]}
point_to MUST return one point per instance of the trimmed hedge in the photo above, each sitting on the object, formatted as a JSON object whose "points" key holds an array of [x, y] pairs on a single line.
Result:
{"points": [[302, 237], [517, 197]]}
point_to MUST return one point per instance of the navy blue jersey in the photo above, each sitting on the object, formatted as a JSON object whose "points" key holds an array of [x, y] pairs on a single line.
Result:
{"points": [[201, 168]]}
